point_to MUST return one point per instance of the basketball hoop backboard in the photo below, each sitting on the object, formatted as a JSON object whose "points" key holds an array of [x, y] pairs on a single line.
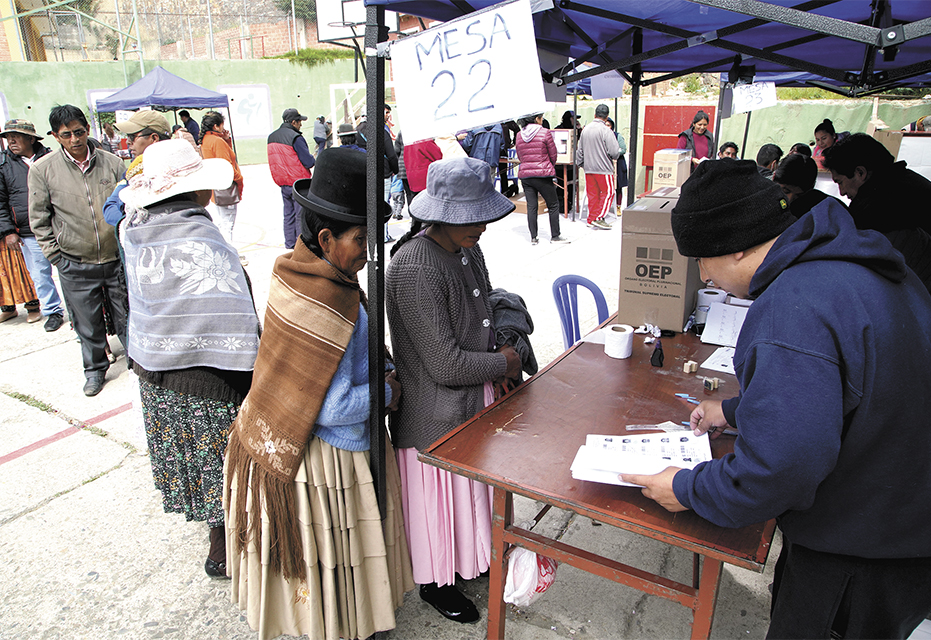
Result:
{"points": [[345, 20]]}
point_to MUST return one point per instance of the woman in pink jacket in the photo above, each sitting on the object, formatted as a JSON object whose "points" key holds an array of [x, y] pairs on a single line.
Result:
{"points": [[536, 151]]}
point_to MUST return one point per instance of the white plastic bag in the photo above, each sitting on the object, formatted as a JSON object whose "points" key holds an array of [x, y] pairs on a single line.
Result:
{"points": [[529, 575]]}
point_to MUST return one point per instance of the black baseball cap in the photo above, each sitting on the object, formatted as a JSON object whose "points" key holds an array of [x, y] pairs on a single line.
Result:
{"points": [[290, 115]]}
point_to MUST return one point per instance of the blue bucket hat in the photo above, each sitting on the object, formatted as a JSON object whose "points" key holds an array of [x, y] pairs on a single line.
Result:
{"points": [[460, 192]]}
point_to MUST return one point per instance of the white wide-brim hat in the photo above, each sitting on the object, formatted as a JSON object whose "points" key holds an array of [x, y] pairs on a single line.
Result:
{"points": [[172, 167]]}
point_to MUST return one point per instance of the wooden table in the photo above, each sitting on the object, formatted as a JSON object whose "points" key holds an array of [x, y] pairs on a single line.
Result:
{"points": [[524, 444]]}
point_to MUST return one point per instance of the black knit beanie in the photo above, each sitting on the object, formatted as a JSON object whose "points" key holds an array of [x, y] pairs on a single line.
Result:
{"points": [[726, 206]]}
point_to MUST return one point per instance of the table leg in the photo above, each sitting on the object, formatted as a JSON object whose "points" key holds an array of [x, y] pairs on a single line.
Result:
{"points": [[502, 517], [707, 598]]}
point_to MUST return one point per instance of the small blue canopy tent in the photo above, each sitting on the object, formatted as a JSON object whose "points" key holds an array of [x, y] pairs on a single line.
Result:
{"points": [[163, 90]]}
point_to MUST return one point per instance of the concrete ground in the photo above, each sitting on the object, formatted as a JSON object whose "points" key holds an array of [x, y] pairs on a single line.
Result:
{"points": [[88, 552]]}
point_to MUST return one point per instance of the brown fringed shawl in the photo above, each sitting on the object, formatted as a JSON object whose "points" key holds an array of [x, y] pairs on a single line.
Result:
{"points": [[312, 309]]}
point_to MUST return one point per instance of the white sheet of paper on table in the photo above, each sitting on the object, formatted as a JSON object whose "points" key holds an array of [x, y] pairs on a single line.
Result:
{"points": [[602, 458], [723, 324], [721, 360]]}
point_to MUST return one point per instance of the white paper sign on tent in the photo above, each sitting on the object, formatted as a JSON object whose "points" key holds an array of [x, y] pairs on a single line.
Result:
{"points": [[607, 85], [469, 72], [750, 97]]}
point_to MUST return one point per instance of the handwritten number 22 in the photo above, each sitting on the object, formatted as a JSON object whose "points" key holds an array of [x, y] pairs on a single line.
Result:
{"points": [[452, 90]]}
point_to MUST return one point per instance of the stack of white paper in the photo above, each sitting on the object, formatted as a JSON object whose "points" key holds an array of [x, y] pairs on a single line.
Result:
{"points": [[602, 458]]}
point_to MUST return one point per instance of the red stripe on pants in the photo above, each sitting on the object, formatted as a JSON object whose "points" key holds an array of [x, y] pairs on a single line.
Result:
{"points": [[599, 189]]}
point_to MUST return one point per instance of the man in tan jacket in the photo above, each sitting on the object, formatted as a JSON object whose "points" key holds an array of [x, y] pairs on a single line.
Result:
{"points": [[67, 190]]}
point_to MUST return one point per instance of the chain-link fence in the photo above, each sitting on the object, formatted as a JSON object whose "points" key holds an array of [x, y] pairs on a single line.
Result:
{"points": [[163, 29]]}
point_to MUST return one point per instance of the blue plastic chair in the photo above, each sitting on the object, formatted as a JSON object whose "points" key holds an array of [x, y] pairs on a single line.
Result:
{"points": [[565, 292]]}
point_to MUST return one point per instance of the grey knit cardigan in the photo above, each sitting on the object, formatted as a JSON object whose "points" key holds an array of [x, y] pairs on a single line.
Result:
{"points": [[438, 338]]}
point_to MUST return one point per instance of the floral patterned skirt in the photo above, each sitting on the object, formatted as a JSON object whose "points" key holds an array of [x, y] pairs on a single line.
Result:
{"points": [[187, 436]]}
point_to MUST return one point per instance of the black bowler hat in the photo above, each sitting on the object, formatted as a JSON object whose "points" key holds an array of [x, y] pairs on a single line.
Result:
{"points": [[337, 190]]}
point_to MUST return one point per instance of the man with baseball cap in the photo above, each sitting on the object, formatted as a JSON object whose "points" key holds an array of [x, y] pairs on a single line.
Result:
{"points": [[143, 128], [23, 150], [289, 160], [832, 410]]}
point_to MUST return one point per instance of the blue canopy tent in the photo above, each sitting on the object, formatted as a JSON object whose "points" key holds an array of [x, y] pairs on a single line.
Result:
{"points": [[888, 42], [163, 91]]}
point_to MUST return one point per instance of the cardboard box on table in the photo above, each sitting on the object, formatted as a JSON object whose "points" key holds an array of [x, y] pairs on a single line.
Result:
{"points": [[657, 284], [663, 192], [671, 167]]}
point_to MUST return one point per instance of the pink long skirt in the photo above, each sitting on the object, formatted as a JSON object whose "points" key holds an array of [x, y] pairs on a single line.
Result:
{"points": [[447, 519]]}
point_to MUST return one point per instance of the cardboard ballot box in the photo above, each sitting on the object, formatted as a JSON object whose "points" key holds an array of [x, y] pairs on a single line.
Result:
{"points": [[663, 192], [657, 284], [671, 167], [520, 203]]}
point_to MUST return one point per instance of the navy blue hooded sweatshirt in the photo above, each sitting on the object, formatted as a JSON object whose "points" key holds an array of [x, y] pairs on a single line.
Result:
{"points": [[834, 411]]}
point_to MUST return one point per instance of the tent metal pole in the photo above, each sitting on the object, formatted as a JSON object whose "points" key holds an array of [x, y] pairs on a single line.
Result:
{"points": [[375, 32], [717, 116], [746, 131], [632, 145], [576, 194]]}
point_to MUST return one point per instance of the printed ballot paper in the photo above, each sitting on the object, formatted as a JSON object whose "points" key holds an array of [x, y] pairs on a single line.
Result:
{"points": [[602, 458]]}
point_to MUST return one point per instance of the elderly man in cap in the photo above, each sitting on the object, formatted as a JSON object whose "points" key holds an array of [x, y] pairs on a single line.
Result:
{"points": [[67, 189], [143, 129], [832, 410], [23, 150], [289, 160]]}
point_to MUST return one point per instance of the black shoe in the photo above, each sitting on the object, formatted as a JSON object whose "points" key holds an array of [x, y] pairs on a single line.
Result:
{"points": [[450, 602], [94, 384], [54, 322], [215, 569]]}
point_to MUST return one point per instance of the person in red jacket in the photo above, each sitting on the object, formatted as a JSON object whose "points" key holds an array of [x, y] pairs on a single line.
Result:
{"points": [[536, 151], [417, 158], [289, 160]]}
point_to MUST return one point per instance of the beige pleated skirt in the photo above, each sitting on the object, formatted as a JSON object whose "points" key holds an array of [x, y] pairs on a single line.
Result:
{"points": [[357, 569]]}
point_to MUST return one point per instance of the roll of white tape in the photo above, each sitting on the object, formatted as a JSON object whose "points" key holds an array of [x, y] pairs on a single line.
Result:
{"points": [[707, 297], [619, 340]]}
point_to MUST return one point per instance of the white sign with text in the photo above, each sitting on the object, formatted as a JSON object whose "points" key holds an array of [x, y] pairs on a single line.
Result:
{"points": [[469, 72], [750, 97]]}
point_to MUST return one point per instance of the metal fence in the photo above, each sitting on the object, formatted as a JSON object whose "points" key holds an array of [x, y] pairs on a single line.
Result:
{"points": [[159, 30]]}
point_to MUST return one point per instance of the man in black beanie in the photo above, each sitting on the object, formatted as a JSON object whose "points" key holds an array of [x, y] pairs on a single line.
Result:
{"points": [[832, 409]]}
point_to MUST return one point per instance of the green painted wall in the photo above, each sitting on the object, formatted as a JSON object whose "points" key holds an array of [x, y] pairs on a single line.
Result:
{"points": [[31, 89]]}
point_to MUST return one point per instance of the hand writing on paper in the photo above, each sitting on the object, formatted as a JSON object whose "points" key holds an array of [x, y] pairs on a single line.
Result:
{"points": [[708, 417], [657, 487]]}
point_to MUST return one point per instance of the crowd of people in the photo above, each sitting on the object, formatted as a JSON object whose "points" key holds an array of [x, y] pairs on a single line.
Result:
{"points": [[260, 429]]}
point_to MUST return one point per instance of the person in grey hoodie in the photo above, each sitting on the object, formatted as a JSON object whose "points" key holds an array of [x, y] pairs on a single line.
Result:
{"points": [[598, 149], [536, 151]]}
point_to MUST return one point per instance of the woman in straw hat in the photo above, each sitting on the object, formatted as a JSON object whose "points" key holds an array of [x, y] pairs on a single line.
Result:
{"points": [[437, 292], [308, 550], [193, 330]]}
